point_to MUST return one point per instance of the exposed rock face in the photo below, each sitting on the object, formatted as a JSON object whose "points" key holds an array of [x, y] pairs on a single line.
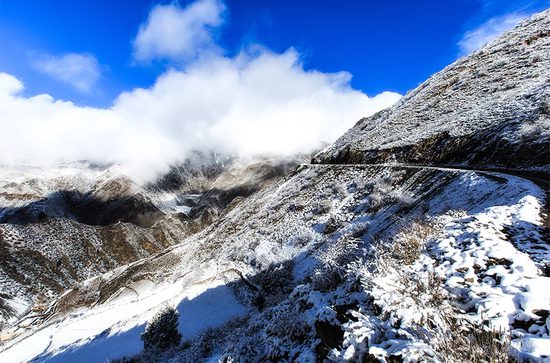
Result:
{"points": [[491, 108]]}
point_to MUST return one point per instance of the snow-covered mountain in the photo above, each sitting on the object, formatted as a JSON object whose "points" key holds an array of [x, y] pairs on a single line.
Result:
{"points": [[489, 109], [399, 243], [60, 226]]}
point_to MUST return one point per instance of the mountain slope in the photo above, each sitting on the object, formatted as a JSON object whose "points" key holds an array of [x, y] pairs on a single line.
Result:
{"points": [[64, 225], [491, 108], [283, 241]]}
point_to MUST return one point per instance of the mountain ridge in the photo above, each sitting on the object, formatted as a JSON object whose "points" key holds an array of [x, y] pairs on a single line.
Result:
{"points": [[483, 111]]}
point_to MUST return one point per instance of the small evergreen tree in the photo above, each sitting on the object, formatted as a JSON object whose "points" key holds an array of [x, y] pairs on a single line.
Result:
{"points": [[162, 333]]}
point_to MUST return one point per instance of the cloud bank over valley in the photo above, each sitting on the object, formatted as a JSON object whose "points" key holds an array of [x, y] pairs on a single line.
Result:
{"points": [[257, 102]]}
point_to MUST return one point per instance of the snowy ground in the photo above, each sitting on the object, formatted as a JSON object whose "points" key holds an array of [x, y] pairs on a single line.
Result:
{"points": [[113, 330], [490, 261], [484, 264]]}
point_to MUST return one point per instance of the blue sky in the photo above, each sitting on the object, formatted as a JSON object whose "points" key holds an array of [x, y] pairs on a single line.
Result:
{"points": [[385, 45]]}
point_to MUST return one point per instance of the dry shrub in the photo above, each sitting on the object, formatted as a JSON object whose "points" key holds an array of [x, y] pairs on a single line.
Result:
{"points": [[333, 262], [456, 338], [406, 246], [464, 341], [489, 346], [451, 334], [425, 290], [409, 242]]}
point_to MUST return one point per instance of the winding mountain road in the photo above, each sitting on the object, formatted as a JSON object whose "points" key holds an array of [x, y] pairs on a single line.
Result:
{"points": [[538, 178]]}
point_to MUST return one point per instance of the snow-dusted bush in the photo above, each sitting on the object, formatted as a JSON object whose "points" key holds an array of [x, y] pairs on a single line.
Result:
{"points": [[411, 240], [383, 191], [402, 318], [279, 333], [333, 262], [275, 283], [407, 244], [6, 310], [288, 322], [410, 314], [332, 225], [380, 193], [161, 333], [466, 342], [529, 130], [322, 207]]}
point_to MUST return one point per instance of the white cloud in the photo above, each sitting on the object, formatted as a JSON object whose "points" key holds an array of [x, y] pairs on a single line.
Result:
{"points": [[257, 103], [474, 39], [81, 71], [178, 34]]}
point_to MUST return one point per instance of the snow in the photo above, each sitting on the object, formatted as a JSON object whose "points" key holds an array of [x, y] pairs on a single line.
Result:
{"points": [[113, 330], [210, 308], [487, 255], [321, 234], [170, 203], [534, 347], [469, 249], [33, 183]]}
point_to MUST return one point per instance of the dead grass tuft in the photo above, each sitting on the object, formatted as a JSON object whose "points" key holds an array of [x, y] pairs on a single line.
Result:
{"points": [[334, 261], [467, 342], [410, 241], [406, 246]]}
